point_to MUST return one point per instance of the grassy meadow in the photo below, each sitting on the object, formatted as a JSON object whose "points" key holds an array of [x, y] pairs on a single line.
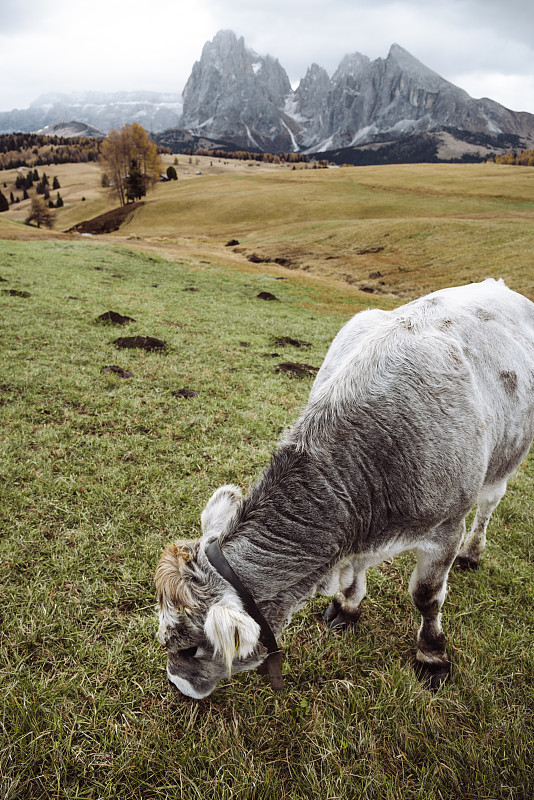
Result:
{"points": [[399, 230], [98, 473]]}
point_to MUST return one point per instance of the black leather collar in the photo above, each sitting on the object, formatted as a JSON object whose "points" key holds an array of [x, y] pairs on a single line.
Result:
{"points": [[273, 662]]}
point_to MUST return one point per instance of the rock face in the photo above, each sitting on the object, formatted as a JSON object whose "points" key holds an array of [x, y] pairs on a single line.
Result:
{"points": [[239, 97], [399, 95], [309, 105], [154, 111], [236, 95]]}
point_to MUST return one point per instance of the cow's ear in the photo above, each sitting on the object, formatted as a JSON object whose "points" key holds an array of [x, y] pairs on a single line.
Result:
{"points": [[232, 632], [173, 575], [220, 508]]}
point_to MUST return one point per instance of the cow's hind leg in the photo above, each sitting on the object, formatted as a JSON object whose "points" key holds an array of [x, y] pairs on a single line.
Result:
{"points": [[428, 586], [345, 608], [472, 549]]}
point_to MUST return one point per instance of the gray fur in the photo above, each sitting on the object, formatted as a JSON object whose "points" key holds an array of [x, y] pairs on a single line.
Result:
{"points": [[416, 416]]}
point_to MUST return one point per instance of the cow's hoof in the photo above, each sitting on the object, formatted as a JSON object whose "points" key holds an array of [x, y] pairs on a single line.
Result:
{"points": [[432, 676], [466, 562], [338, 619], [332, 611]]}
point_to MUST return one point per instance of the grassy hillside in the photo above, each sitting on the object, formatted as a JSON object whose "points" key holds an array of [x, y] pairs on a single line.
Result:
{"points": [[99, 472], [420, 226]]}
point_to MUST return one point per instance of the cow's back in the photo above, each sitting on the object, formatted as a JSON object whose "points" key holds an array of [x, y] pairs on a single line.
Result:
{"points": [[452, 372]]}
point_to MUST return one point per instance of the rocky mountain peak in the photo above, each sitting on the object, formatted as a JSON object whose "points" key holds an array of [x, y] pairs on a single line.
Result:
{"points": [[402, 56], [351, 64], [400, 60], [236, 93], [314, 85], [223, 49]]}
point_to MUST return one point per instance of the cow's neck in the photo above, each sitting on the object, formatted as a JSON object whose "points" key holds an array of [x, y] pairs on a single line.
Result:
{"points": [[297, 522]]}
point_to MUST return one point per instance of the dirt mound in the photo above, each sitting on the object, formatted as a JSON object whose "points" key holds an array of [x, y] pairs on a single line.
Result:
{"points": [[106, 223], [266, 296], [298, 370], [282, 261], [144, 342], [15, 293], [114, 318], [283, 341], [119, 371], [185, 393]]}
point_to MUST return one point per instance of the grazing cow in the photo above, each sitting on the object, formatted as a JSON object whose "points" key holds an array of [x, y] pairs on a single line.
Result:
{"points": [[416, 416]]}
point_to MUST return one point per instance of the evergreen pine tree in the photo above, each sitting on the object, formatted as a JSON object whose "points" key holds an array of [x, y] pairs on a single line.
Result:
{"points": [[4, 205], [135, 183]]}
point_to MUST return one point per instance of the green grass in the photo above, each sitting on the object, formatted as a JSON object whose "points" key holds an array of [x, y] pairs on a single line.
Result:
{"points": [[98, 473]]}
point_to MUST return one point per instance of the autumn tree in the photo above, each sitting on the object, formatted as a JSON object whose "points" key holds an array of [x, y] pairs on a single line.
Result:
{"points": [[39, 213], [131, 162]]}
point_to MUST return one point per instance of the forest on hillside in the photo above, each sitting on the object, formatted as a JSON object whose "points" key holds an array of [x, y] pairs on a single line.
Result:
{"points": [[36, 150], [524, 158]]}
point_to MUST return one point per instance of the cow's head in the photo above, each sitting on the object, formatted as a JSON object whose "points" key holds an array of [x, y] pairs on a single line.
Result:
{"points": [[207, 633]]}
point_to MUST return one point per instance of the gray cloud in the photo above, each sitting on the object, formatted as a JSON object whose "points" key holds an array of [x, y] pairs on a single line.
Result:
{"points": [[486, 46], [454, 36], [20, 15]]}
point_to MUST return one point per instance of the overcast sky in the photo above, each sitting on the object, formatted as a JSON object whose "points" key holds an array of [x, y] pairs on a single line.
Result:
{"points": [[484, 46]]}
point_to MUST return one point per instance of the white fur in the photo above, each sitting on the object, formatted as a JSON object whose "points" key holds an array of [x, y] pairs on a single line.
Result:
{"points": [[185, 687], [168, 618], [231, 631], [220, 508]]}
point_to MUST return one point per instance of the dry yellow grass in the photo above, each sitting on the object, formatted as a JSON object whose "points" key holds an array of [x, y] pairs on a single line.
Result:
{"points": [[395, 230]]}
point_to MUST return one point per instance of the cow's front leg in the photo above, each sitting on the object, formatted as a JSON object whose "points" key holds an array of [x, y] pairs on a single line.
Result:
{"points": [[345, 608], [428, 586]]}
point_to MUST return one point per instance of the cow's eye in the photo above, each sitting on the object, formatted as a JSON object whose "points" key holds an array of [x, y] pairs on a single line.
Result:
{"points": [[189, 652]]}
